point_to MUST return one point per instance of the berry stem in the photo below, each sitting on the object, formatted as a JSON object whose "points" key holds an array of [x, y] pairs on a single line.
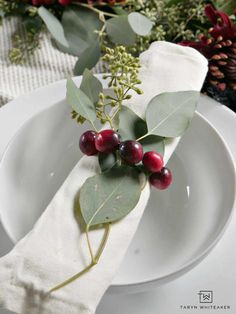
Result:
{"points": [[94, 261]]}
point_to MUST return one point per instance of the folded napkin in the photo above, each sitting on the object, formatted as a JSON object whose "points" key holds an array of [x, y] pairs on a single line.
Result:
{"points": [[56, 248]]}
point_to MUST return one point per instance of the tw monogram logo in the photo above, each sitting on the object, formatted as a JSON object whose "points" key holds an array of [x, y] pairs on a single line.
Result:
{"points": [[205, 296]]}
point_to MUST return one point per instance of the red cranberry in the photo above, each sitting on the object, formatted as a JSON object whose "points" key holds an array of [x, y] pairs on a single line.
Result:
{"points": [[64, 2], [107, 141], [131, 152], [87, 143], [153, 161], [162, 179]]}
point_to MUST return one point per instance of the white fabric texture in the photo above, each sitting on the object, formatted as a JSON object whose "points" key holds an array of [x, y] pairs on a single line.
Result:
{"points": [[56, 247]]}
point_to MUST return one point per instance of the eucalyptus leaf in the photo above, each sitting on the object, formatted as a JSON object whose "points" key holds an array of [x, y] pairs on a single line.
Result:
{"points": [[131, 125], [153, 143], [140, 24], [106, 161], [79, 101], [80, 25], [88, 59], [91, 86], [119, 10], [169, 114], [119, 31], [109, 196], [53, 25]]}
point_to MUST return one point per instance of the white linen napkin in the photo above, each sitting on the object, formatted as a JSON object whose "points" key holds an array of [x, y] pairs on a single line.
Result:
{"points": [[56, 248]]}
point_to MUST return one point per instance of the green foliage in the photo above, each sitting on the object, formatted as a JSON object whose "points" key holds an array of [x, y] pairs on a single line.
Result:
{"points": [[80, 102], [122, 77], [10, 6], [140, 24], [109, 196], [88, 59], [24, 48], [107, 161], [54, 26], [91, 86], [122, 29], [119, 31], [135, 24], [173, 20], [26, 39], [80, 26], [131, 125], [153, 143], [169, 114]]}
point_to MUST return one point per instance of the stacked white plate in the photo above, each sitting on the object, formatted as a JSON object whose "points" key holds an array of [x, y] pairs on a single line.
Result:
{"points": [[180, 226]]}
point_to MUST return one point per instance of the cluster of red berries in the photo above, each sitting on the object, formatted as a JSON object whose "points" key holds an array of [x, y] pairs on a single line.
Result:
{"points": [[49, 2], [131, 152]]}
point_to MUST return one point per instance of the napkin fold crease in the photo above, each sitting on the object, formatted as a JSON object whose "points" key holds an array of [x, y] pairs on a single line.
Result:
{"points": [[56, 248]]}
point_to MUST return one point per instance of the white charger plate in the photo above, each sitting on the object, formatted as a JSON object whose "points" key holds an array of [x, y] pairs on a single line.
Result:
{"points": [[182, 235]]}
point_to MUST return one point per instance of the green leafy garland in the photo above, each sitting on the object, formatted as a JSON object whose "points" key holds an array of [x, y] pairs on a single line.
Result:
{"points": [[134, 24], [118, 186], [172, 20]]}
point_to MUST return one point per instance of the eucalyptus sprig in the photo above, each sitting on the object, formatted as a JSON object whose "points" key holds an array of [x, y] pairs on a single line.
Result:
{"points": [[123, 77], [123, 71], [126, 151]]}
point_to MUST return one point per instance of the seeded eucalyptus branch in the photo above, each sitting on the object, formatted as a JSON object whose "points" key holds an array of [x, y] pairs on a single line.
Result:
{"points": [[123, 77]]}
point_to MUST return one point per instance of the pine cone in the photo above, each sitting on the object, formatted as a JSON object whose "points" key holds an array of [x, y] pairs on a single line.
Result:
{"points": [[219, 47]]}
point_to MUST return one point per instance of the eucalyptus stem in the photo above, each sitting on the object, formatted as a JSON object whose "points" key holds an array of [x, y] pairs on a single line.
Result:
{"points": [[115, 113], [93, 125], [90, 7], [89, 244], [104, 242], [94, 261], [70, 280], [142, 137]]}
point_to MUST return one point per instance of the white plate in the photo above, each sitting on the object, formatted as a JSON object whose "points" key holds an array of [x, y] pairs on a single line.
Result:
{"points": [[216, 273], [172, 237]]}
